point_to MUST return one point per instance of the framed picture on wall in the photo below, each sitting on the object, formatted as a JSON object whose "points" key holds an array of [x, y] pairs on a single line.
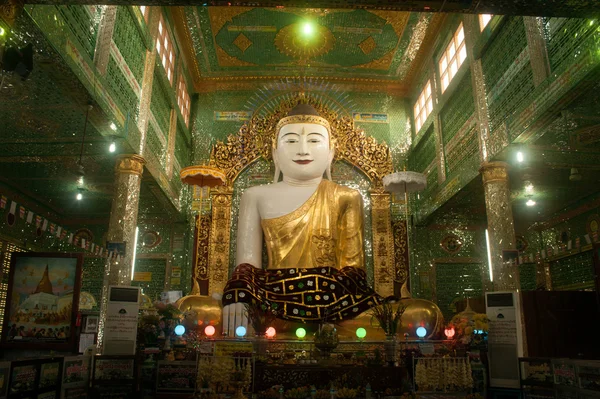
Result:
{"points": [[91, 324], [42, 301]]}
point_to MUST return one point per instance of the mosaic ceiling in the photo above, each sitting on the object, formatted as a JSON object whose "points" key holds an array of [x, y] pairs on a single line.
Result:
{"points": [[560, 8], [345, 44]]}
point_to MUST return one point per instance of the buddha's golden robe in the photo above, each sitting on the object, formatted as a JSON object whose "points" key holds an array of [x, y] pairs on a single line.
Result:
{"points": [[327, 230]]}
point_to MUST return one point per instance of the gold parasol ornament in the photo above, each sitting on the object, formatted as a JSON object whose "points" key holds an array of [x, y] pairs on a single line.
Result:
{"points": [[202, 176]]}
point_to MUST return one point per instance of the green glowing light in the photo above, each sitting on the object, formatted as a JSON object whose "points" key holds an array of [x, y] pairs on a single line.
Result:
{"points": [[308, 28], [301, 333], [2, 31], [361, 333]]}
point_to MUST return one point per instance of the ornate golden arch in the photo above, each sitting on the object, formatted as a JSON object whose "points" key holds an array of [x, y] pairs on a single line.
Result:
{"points": [[254, 140]]}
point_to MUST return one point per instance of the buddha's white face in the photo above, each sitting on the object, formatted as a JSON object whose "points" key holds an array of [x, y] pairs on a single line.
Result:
{"points": [[303, 151]]}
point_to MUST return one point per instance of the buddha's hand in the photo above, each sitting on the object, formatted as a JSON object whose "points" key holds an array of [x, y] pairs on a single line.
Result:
{"points": [[234, 315]]}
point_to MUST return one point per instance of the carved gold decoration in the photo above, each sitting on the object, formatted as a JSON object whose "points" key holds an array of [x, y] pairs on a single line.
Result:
{"points": [[383, 244], [219, 242], [242, 42], [203, 225], [292, 42], [228, 60], [400, 251], [398, 20], [202, 176], [451, 243], [367, 45], [132, 164], [494, 172], [382, 63], [254, 140]]}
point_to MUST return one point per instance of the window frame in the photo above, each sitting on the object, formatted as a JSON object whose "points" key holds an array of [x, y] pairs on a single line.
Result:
{"points": [[423, 106], [452, 58], [183, 99], [145, 10], [484, 20], [164, 41]]}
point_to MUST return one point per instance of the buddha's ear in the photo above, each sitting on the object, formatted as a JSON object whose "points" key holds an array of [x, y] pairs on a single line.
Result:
{"points": [[277, 170]]}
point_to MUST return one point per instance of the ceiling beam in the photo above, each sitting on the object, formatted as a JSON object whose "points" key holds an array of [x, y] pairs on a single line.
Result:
{"points": [[552, 8]]}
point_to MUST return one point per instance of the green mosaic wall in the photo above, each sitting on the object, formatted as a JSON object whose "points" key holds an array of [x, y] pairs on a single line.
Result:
{"points": [[130, 42], [121, 91], [528, 275], [161, 103], [566, 36], [93, 278], [82, 22], [458, 109], [424, 153], [508, 78], [157, 267], [455, 282], [182, 148], [573, 272]]}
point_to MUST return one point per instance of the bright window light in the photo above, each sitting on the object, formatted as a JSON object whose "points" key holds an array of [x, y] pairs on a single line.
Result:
{"points": [[423, 106], [484, 20], [453, 57], [135, 241], [489, 254], [163, 44]]}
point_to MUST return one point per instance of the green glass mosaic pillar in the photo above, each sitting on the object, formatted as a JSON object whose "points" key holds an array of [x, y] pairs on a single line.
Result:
{"points": [[437, 126], [488, 144], [148, 79], [122, 226], [105, 33], [501, 228], [536, 44]]}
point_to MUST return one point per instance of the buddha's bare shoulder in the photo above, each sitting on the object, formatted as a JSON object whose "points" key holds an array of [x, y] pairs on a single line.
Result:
{"points": [[257, 192]]}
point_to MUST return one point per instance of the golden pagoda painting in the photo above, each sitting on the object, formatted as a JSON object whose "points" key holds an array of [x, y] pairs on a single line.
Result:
{"points": [[42, 299]]}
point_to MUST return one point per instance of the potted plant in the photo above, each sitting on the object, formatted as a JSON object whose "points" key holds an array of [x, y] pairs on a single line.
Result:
{"points": [[260, 316]]}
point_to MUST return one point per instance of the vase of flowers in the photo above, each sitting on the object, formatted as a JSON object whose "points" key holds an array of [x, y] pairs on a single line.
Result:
{"points": [[388, 316]]}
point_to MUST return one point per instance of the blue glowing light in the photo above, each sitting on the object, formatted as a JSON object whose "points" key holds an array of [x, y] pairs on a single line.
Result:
{"points": [[180, 330], [421, 332], [240, 331]]}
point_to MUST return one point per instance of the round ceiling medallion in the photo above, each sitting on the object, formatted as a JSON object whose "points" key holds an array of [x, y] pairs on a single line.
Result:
{"points": [[294, 41], [151, 239]]}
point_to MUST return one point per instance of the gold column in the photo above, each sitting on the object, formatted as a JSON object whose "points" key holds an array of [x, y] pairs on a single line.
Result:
{"points": [[218, 252], [536, 44], [148, 79], [122, 226], [383, 244], [500, 224], [105, 33]]}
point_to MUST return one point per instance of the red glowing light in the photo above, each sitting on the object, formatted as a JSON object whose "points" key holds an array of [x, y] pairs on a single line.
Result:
{"points": [[449, 332], [270, 332], [209, 331]]}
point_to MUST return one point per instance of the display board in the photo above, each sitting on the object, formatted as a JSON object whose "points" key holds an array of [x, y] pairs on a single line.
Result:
{"points": [[75, 377], [38, 378], [113, 377], [176, 377]]}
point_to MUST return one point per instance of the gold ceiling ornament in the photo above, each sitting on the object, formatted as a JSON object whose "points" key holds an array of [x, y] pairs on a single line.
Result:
{"points": [[227, 60], [242, 42], [293, 42], [368, 45], [382, 64], [254, 140], [398, 20]]}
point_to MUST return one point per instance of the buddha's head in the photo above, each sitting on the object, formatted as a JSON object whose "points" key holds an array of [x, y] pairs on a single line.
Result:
{"points": [[303, 149]]}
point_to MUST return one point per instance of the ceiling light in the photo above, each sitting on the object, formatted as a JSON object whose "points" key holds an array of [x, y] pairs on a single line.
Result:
{"points": [[79, 196], [2, 31], [112, 147], [80, 181], [307, 28], [529, 188], [520, 156], [530, 203], [113, 126]]}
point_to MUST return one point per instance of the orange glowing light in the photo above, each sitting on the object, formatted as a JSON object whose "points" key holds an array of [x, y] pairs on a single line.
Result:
{"points": [[270, 332], [209, 331]]}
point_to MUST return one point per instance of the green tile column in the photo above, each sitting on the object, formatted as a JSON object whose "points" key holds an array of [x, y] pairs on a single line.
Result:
{"points": [[148, 79], [122, 226]]}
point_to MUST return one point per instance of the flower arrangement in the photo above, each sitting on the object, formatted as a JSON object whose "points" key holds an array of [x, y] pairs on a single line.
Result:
{"points": [[465, 327], [260, 315], [387, 317], [148, 329]]}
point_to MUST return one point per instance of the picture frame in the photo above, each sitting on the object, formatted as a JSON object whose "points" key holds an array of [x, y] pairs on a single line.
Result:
{"points": [[42, 301], [91, 324]]}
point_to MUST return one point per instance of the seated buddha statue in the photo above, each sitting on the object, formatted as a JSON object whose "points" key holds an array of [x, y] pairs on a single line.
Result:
{"points": [[313, 231]]}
